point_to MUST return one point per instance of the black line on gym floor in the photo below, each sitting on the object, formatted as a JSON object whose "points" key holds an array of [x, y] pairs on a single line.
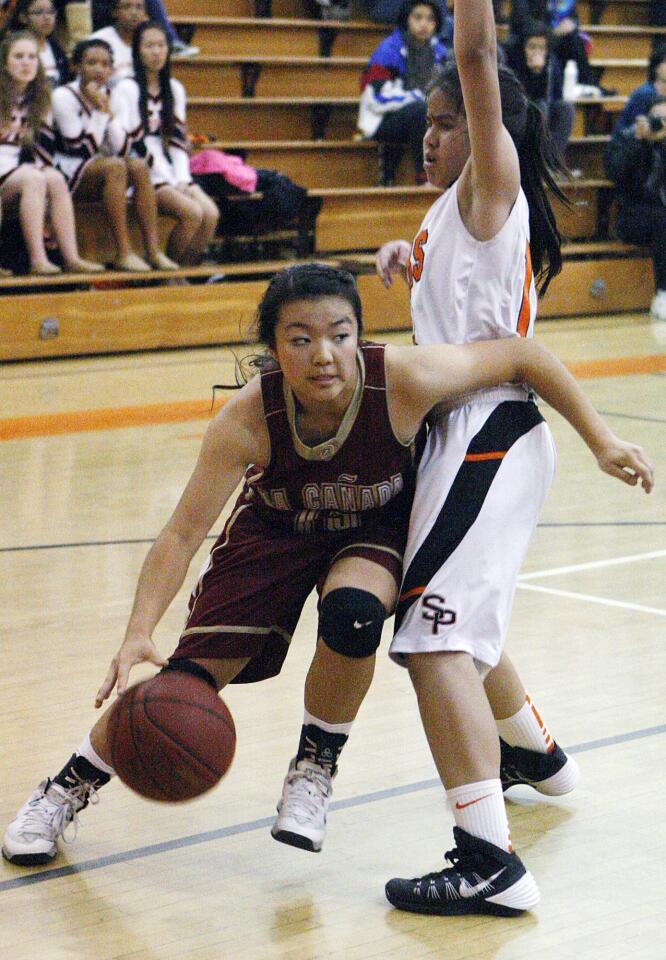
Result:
{"points": [[213, 536], [139, 853]]}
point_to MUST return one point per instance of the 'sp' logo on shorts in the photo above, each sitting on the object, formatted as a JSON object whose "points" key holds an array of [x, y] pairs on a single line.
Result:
{"points": [[434, 609]]}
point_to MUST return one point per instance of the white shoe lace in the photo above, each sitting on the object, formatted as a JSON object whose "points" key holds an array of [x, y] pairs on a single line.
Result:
{"points": [[305, 795], [57, 809]]}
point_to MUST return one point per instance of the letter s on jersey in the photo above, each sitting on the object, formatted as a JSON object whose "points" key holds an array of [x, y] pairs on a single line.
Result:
{"points": [[417, 258]]}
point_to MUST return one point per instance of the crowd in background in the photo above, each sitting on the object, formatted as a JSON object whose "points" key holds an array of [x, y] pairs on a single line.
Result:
{"points": [[90, 121]]}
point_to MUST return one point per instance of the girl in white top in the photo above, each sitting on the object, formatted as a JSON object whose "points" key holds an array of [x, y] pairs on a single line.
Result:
{"points": [[487, 466], [88, 137], [29, 187], [151, 109]]}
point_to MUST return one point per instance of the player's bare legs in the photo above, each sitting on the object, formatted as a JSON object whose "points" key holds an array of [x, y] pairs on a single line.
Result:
{"points": [[456, 716], [145, 204], [504, 689]]}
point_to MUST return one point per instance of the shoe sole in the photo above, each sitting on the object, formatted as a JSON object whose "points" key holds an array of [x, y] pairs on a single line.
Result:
{"points": [[458, 908], [29, 859], [296, 840]]}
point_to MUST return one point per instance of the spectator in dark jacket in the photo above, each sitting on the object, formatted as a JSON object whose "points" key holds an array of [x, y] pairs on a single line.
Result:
{"points": [[643, 97], [635, 159], [567, 41], [393, 105], [541, 76]]}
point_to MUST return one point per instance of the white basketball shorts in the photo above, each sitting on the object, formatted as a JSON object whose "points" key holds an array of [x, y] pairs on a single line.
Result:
{"points": [[482, 482]]}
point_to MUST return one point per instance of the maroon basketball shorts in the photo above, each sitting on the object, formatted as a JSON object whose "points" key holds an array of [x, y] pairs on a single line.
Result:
{"points": [[250, 595]]}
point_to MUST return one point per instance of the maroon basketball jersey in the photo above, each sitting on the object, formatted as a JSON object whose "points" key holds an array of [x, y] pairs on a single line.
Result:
{"points": [[361, 474]]}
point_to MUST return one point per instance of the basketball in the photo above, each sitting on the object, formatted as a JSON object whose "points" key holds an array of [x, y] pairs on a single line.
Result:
{"points": [[171, 737]]}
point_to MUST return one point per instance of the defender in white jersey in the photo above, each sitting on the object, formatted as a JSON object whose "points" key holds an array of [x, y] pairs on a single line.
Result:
{"points": [[486, 470]]}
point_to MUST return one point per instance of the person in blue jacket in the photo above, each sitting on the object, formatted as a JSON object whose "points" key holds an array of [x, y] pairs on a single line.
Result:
{"points": [[393, 105]]}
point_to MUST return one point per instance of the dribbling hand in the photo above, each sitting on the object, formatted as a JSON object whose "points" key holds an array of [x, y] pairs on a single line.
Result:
{"points": [[138, 650], [391, 258], [628, 463]]}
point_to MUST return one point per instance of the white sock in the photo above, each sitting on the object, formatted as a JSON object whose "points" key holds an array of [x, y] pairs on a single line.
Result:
{"points": [[87, 750], [526, 729], [478, 808], [344, 728]]}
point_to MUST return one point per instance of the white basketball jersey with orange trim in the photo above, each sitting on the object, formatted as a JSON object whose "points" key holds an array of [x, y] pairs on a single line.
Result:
{"points": [[463, 289]]}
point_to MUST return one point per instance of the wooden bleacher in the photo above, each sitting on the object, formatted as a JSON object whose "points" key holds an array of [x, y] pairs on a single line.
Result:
{"points": [[241, 97]]}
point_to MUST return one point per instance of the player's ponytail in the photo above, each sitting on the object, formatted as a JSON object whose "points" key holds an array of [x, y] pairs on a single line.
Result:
{"points": [[539, 163]]}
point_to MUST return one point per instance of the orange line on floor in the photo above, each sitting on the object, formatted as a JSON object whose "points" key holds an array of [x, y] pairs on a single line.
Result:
{"points": [[618, 366], [114, 418], [111, 418]]}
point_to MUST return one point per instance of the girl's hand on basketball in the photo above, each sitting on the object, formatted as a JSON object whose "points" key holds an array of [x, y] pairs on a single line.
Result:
{"points": [[391, 258], [133, 651], [627, 462]]}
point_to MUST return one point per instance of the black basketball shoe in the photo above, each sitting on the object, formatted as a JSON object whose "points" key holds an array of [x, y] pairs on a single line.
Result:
{"points": [[551, 773], [482, 878]]}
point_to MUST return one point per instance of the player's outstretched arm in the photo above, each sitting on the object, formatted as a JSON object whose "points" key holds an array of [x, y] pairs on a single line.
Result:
{"points": [[233, 440], [392, 257], [418, 378]]}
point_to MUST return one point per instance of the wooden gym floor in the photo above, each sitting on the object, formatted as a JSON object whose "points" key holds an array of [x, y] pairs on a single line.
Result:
{"points": [[83, 496]]}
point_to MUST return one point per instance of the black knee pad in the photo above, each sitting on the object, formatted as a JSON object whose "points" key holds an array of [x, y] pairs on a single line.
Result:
{"points": [[351, 621]]}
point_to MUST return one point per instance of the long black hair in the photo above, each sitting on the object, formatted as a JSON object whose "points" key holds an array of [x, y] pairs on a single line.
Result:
{"points": [[539, 158], [408, 6], [166, 93]]}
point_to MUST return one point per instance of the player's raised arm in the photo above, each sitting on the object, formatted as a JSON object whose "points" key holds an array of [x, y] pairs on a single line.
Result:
{"points": [[235, 438], [493, 167], [420, 377]]}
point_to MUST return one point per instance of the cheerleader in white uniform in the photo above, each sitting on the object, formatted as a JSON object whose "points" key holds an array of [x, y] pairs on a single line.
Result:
{"points": [[151, 109], [29, 186], [485, 472], [88, 136]]}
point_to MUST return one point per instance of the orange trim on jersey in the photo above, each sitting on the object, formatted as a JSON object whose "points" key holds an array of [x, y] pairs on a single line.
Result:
{"points": [[414, 592], [525, 314], [494, 455]]}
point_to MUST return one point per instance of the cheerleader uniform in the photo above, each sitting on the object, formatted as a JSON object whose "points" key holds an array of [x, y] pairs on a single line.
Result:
{"points": [[168, 167]]}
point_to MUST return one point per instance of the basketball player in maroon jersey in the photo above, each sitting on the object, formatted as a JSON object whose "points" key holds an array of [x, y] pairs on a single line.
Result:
{"points": [[325, 441]]}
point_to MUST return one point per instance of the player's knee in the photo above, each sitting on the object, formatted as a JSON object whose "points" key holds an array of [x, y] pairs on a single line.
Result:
{"points": [[351, 621]]}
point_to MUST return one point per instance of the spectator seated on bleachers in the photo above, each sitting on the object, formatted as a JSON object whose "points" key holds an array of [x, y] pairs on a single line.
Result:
{"points": [[635, 159], [642, 98], [127, 15], [541, 75], [568, 43], [88, 137], [151, 108], [103, 16], [29, 183], [393, 101], [39, 18]]}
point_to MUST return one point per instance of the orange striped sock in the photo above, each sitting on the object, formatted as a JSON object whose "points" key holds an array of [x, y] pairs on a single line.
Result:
{"points": [[526, 729]]}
